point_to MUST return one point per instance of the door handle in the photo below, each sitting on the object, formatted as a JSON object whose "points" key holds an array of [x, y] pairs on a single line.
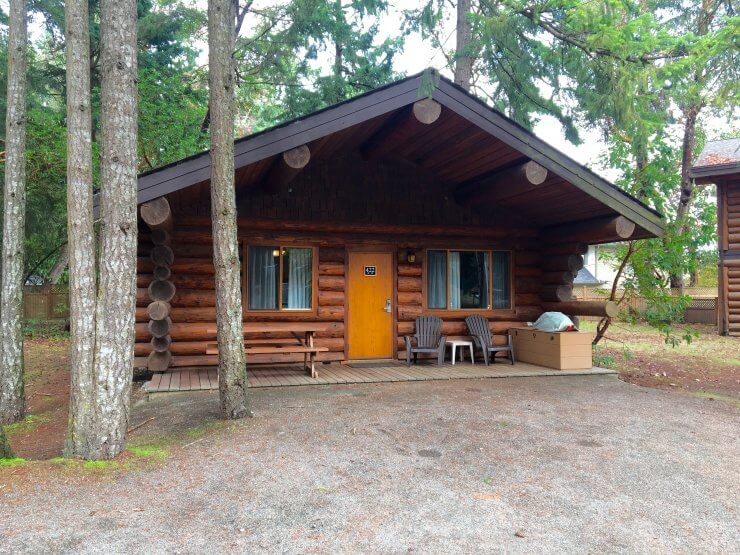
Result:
{"points": [[387, 306]]}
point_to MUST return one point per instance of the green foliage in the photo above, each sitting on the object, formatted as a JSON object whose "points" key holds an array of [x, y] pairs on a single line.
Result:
{"points": [[602, 359], [51, 330]]}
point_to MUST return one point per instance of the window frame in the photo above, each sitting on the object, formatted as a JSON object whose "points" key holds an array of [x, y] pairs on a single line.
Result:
{"points": [[463, 311], [280, 245]]}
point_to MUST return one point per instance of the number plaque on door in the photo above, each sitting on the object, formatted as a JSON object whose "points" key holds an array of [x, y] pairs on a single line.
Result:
{"points": [[370, 271]]}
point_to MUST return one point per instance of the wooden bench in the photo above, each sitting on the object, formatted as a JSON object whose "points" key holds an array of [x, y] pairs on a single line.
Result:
{"points": [[279, 350], [301, 341]]}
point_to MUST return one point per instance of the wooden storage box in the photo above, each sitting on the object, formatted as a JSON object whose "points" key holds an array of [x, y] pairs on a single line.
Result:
{"points": [[564, 350]]}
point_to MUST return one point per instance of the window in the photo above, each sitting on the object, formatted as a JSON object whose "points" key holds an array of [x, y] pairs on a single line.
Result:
{"points": [[280, 278], [468, 280]]}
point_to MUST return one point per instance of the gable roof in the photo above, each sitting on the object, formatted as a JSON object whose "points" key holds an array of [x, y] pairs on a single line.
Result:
{"points": [[382, 102], [718, 158]]}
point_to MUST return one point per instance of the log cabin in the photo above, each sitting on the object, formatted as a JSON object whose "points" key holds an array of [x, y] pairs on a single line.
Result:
{"points": [[414, 198], [719, 163]]}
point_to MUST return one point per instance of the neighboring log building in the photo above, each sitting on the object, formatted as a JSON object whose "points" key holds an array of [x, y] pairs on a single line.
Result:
{"points": [[719, 163], [371, 212]]}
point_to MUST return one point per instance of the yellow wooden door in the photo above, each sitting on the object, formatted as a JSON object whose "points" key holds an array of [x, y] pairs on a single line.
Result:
{"points": [[370, 298]]}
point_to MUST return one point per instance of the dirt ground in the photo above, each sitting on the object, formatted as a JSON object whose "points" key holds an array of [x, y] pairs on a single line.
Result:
{"points": [[708, 366], [575, 464]]}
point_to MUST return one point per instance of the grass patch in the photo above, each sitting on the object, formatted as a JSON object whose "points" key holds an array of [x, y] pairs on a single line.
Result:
{"points": [[51, 330], [12, 463], [27, 425]]}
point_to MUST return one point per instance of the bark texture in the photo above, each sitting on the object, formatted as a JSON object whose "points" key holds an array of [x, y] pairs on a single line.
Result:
{"points": [[5, 451], [80, 249], [114, 315], [231, 366], [464, 35], [12, 398], [62, 258]]}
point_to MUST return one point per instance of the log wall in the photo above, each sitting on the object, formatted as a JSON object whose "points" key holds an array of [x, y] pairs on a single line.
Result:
{"points": [[335, 207], [728, 219]]}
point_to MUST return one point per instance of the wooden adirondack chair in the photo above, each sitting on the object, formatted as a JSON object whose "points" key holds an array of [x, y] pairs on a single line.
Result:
{"points": [[481, 332], [429, 339]]}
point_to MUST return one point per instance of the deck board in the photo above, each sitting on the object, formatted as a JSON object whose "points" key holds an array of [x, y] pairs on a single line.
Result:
{"points": [[335, 373]]}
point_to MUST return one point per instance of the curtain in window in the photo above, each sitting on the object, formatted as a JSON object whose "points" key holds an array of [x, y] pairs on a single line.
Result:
{"points": [[484, 286], [263, 276], [501, 280], [437, 279], [297, 279], [454, 279]]}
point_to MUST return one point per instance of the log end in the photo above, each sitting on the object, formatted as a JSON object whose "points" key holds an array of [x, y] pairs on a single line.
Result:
{"points": [[427, 111], [159, 362]]}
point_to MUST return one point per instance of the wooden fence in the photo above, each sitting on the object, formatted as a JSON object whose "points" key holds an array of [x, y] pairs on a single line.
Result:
{"points": [[702, 308], [46, 302]]}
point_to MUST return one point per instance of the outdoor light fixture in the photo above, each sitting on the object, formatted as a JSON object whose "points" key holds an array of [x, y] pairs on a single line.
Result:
{"points": [[410, 256]]}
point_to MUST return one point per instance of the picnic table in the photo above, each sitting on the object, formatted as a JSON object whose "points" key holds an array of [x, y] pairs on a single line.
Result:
{"points": [[302, 341]]}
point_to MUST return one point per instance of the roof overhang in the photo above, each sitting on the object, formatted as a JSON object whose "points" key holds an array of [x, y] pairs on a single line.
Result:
{"points": [[381, 104]]}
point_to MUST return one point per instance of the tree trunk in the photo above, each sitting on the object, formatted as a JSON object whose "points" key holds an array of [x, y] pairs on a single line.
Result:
{"points": [[62, 258], [80, 247], [114, 315], [463, 59], [12, 398], [686, 195], [232, 375], [5, 451]]}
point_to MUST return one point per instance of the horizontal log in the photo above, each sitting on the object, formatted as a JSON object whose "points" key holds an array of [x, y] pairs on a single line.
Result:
{"points": [[401, 128], [331, 268], [559, 293], [526, 299], [331, 313], [571, 262], [527, 271], [565, 248], [286, 168], [458, 327], [558, 278], [527, 258], [408, 312], [269, 227], [527, 285], [331, 283], [335, 344], [585, 308], [409, 284], [179, 266], [331, 254], [595, 230], [409, 270], [410, 298], [502, 184], [195, 314], [331, 298]]}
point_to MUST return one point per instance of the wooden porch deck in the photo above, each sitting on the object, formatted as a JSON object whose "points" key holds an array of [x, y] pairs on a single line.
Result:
{"points": [[294, 375]]}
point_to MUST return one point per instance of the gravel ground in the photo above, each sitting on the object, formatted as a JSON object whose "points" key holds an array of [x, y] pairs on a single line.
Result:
{"points": [[578, 464]]}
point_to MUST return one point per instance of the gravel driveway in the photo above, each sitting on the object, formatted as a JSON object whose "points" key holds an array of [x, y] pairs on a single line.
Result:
{"points": [[586, 464]]}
